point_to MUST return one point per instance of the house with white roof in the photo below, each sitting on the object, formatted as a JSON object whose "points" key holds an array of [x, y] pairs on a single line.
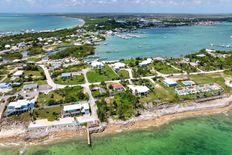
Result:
{"points": [[97, 65], [19, 106], [170, 82], [139, 90], [76, 109], [145, 62], [118, 65], [18, 74]]}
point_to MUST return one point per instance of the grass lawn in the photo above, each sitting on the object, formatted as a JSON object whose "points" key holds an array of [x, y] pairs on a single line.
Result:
{"points": [[161, 94], [71, 81], [123, 74], [62, 96], [23, 117], [50, 113], [36, 76], [144, 82], [162, 67], [101, 75]]}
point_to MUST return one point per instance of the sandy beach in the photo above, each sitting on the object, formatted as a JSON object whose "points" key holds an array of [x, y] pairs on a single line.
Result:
{"points": [[20, 136]]}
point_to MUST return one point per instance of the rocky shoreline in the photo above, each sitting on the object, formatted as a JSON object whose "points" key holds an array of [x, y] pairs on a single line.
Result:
{"points": [[18, 135]]}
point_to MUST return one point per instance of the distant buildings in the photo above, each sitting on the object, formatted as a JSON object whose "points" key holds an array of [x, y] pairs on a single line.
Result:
{"points": [[76, 109], [19, 106], [145, 62], [139, 90]]}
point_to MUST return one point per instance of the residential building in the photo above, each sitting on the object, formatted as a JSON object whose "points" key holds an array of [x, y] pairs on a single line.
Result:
{"points": [[117, 87], [66, 75], [97, 65], [31, 87], [5, 86], [19, 106], [170, 83], [145, 62], [76, 109], [118, 65], [18, 74], [139, 90]]}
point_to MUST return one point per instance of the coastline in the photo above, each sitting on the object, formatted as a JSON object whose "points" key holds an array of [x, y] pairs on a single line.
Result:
{"points": [[145, 121], [81, 24]]}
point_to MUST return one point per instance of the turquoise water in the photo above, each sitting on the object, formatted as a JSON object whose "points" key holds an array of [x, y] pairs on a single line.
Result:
{"points": [[16, 23], [210, 135], [166, 42]]}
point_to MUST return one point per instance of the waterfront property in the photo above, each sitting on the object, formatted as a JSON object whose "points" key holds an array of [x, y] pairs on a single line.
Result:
{"points": [[203, 88], [145, 62], [76, 109], [19, 106], [139, 90], [97, 65], [170, 83], [117, 66]]}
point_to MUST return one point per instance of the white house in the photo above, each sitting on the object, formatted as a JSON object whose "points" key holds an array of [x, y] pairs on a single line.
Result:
{"points": [[18, 73], [76, 109], [118, 65], [19, 106], [97, 65], [145, 62], [139, 90]]}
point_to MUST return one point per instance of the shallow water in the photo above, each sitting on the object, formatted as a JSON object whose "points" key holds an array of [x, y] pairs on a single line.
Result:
{"points": [[166, 42], [202, 135], [19, 22]]}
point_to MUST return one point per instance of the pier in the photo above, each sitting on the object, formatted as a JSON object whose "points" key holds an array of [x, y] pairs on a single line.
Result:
{"points": [[88, 136]]}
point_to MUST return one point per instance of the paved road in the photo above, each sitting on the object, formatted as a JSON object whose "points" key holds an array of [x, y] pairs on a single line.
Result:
{"points": [[49, 79]]}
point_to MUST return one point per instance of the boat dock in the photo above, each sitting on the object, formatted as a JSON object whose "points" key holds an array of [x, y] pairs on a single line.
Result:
{"points": [[88, 136]]}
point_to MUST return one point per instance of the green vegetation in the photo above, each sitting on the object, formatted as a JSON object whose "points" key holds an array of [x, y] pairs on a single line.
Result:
{"points": [[12, 55], [144, 82], [143, 71], [123, 106], [70, 81], [75, 51], [211, 78], [73, 68], [183, 66], [33, 73], [210, 62], [99, 90], [62, 96], [50, 113], [123, 74], [101, 75], [162, 67], [160, 95], [35, 51]]}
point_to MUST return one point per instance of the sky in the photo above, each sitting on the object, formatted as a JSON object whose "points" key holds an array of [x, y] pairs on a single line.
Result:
{"points": [[124, 6]]}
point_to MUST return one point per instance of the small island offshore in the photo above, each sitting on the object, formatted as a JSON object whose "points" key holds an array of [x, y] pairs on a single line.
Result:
{"points": [[53, 87]]}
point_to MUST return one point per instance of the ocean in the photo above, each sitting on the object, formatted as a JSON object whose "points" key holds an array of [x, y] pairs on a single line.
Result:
{"points": [[208, 135], [167, 42], [16, 23]]}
